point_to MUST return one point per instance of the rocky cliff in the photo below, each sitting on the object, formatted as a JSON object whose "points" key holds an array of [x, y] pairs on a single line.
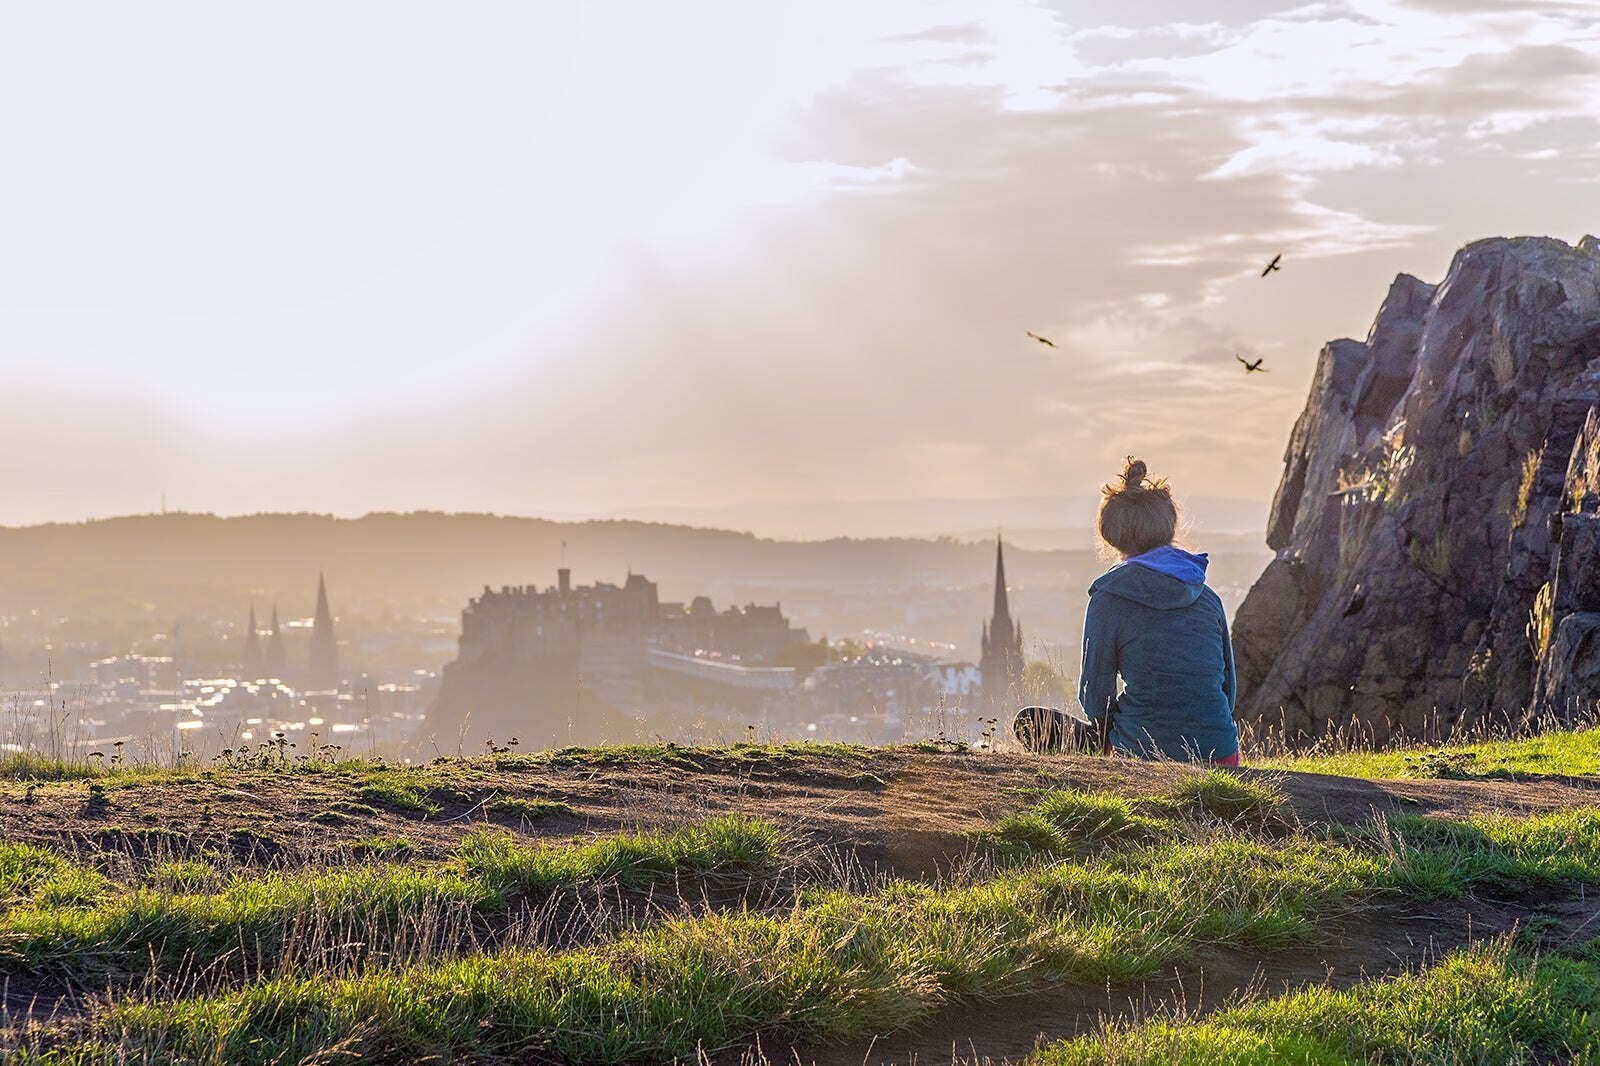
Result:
{"points": [[1437, 528]]}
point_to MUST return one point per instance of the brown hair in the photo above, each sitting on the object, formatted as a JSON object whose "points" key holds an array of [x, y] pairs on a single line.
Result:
{"points": [[1136, 513]]}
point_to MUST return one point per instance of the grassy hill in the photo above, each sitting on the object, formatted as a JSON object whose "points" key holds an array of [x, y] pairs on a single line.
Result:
{"points": [[839, 904]]}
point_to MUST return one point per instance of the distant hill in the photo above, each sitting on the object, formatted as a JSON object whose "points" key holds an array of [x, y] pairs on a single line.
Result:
{"points": [[117, 580], [935, 517], [426, 558]]}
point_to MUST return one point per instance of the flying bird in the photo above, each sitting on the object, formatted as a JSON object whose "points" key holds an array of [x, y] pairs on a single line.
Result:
{"points": [[1042, 340], [1252, 368], [1273, 265]]}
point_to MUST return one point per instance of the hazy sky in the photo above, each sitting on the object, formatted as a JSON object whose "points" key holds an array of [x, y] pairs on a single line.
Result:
{"points": [[704, 258]]}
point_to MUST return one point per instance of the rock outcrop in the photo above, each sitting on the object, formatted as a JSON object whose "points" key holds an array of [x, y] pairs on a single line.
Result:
{"points": [[1437, 527]]}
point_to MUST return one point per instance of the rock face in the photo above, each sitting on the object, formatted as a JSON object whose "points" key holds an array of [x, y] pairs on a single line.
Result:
{"points": [[1418, 584], [1565, 618]]}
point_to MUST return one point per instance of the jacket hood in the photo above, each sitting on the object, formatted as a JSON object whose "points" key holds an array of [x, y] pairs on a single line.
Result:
{"points": [[1165, 578]]}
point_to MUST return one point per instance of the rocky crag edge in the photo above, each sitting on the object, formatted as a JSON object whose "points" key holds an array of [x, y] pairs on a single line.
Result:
{"points": [[1437, 527]]}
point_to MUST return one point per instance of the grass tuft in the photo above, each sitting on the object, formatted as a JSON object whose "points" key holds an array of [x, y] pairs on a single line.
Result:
{"points": [[1224, 796], [377, 848], [39, 876], [729, 845], [1071, 820], [398, 790], [1440, 858], [1484, 1004], [185, 875], [1567, 753], [31, 766], [529, 810]]}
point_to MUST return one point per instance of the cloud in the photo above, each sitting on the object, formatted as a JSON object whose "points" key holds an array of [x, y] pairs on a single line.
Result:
{"points": [[1577, 10], [1336, 11], [1302, 155], [852, 342], [1112, 46], [1161, 13], [873, 341], [968, 33], [1110, 175]]}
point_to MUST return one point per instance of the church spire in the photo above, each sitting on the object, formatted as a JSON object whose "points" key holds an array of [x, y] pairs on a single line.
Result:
{"points": [[1002, 607], [323, 668], [1002, 663], [251, 659], [277, 659]]}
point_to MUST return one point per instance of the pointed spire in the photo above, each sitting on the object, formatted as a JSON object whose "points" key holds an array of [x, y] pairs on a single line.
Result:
{"points": [[1002, 661], [277, 659], [323, 669], [1002, 608], [250, 659]]}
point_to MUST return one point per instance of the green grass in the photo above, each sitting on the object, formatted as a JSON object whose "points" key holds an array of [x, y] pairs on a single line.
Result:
{"points": [[727, 844], [836, 965], [1482, 1005], [1070, 820], [37, 876], [380, 847], [1559, 753], [1440, 858], [401, 790], [1222, 795], [620, 756], [528, 810], [29, 766], [185, 875], [390, 960], [87, 932], [34, 767]]}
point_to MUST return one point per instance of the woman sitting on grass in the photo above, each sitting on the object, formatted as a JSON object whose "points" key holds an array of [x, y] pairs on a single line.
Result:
{"points": [[1152, 620]]}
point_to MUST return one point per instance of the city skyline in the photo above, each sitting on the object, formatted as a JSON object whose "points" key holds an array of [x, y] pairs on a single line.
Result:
{"points": [[631, 260]]}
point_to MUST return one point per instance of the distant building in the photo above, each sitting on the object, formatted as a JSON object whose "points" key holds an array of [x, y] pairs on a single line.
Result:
{"points": [[322, 669], [138, 672], [321, 673], [1002, 662], [584, 664]]}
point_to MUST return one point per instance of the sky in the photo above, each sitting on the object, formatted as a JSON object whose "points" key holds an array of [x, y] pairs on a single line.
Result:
{"points": [[761, 264]]}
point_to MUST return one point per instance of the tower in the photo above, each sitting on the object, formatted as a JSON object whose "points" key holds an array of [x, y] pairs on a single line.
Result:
{"points": [[251, 661], [276, 662], [1001, 664], [323, 669]]}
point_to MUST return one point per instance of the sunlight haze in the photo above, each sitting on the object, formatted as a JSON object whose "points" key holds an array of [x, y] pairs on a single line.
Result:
{"points": [[753, 265]]}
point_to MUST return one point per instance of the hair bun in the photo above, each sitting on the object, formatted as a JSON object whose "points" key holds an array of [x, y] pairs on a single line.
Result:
{"points": [[1133, 475]]}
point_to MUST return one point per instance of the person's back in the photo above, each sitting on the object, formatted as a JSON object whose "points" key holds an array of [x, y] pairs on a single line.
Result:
{"points": [[1152, 621]]}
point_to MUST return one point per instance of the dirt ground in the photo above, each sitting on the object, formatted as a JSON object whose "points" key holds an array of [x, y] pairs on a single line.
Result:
{"points": [[901, 812]]}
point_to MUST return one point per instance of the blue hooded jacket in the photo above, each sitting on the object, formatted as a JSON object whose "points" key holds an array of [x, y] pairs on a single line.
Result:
{"points": [[1152, 620]]}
